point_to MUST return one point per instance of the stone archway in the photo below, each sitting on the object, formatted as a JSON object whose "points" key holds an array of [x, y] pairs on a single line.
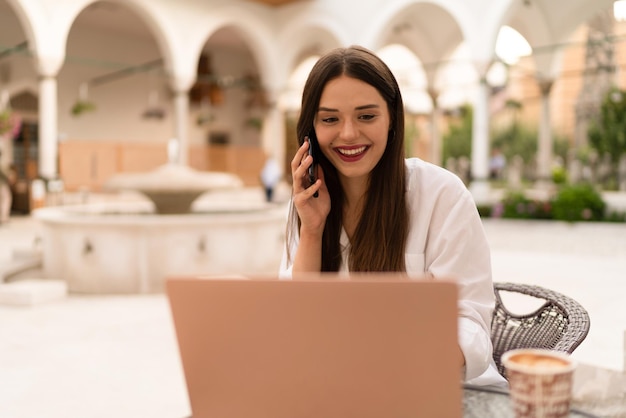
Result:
{"points": [[228, 104], [111, 53], [17, 85]]}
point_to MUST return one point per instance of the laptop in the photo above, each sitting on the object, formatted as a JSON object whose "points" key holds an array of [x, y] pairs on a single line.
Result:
{"points": [[371, 346]]}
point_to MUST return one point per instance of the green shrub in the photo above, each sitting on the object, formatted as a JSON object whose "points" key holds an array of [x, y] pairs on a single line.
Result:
{"points": [[559, 175], [572, 203], [579, 202], [615, 216], [485, 211], [516, 205]]}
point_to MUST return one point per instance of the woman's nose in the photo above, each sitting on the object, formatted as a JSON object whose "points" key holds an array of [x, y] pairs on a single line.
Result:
{"points": [[348, 130]]}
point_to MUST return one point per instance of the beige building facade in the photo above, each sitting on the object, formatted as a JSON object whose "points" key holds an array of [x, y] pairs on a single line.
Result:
{"points": [[102, 86]]}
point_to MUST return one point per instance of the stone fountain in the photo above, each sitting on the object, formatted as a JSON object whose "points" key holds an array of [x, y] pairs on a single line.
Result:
{"points": [[173, 187], [192, 223]]}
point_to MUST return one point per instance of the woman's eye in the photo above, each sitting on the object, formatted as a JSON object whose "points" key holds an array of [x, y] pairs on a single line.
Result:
{"points": [[329, 120], [367, 117]]}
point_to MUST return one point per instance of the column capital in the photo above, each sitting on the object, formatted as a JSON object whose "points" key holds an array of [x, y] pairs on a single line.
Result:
{"points": [[433, 93], [181, 83], [482, 68], [545, 85], [49, 66]]}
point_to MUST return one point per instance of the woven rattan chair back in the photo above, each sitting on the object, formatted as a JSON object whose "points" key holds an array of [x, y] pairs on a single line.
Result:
{"points": [[561, 323]]}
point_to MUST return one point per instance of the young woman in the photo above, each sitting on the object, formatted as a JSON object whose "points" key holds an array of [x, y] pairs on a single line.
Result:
{"points": [[370, 209]]}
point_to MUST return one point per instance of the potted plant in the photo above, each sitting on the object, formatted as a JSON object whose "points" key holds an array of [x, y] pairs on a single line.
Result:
{"points": [[10, 123]]}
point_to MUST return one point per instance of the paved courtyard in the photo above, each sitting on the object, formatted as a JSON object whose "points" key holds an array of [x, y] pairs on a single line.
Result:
{"points": [[105, 356]]}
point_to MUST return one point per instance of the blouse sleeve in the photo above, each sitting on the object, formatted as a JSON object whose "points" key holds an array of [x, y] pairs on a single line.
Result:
{"points": [[457, 248], [285, 270], [286, 264]]}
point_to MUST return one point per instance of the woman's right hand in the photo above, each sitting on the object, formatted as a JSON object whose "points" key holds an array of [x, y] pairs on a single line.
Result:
{"points": [[311, 210]]}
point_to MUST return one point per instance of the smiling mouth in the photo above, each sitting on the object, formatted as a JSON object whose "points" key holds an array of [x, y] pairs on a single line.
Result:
{"points": [[351, 152]]}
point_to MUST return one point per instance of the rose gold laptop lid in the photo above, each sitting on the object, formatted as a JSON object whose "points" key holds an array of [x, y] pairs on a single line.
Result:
{"points": [[318, 348]]}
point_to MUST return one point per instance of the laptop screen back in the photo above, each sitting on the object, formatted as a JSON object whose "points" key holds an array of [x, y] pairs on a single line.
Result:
{"points": [[318, 348]]}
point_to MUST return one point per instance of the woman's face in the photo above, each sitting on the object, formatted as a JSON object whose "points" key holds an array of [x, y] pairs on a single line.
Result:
{"points": [[352, 124]]}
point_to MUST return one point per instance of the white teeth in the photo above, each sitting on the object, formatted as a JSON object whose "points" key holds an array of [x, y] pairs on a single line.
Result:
{"points": [[351, 152]]}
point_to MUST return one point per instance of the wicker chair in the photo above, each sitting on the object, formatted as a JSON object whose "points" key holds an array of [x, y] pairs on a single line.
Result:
{"points": [[559, 324]]}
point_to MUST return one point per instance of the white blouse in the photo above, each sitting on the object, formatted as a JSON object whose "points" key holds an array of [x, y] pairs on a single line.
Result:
{"points": [[446, 239]]}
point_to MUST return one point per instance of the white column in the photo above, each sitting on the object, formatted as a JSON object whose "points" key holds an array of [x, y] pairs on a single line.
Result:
{"points": [[181, 121], [544, 157], [48, 110], [273, 133], [435, 135], [479, 185]]}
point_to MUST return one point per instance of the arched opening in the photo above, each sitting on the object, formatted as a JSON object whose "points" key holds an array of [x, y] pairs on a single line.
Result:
{"points": [[228, 103], [114, 100], [18, 110]]}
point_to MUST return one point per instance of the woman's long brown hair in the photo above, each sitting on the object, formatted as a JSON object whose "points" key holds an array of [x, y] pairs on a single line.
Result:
{"points": [[379, 241]]}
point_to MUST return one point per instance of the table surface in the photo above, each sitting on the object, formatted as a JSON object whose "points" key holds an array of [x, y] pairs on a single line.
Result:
{"points": [[482, 402]]}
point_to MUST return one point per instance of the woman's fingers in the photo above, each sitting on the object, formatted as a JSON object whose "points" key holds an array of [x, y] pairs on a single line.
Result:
{"points": [[303, 190], [311, 190], [299, 166], [312, 211]]}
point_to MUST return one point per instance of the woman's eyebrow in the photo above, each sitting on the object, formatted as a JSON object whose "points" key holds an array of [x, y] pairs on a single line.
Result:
{"points": [[367, 106]]}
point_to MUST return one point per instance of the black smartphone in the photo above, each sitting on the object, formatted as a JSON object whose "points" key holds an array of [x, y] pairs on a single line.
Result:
{"points": [[313, 152]]}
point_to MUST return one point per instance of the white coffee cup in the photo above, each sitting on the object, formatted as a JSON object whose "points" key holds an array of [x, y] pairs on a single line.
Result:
{"points": [[540, 382]]}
